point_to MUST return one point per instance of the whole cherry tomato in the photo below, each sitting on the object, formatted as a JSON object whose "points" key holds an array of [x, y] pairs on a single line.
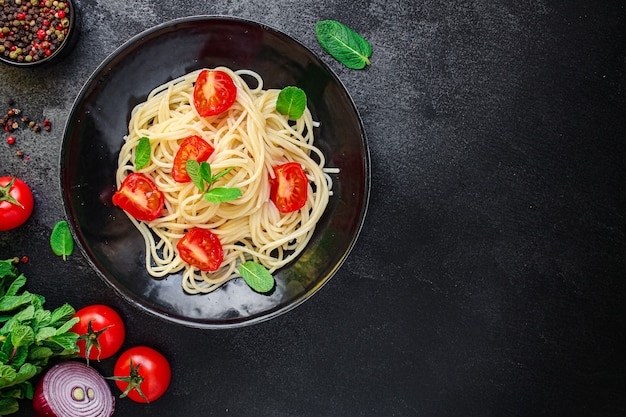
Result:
{"points": [[16, 202], [140, 197], [194, 147], [289, 187], [101, 331], [213, 93], [202, 249], [142, 374]]}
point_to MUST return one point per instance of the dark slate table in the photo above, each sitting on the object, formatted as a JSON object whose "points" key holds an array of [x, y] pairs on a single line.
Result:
{"points": [[490, 275]]}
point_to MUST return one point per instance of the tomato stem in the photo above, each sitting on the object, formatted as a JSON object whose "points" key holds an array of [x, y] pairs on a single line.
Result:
{"points": [[5, 196]]}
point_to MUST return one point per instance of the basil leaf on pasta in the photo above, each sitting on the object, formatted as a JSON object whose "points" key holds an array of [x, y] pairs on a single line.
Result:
{"points": [[142, 153], [193, 170], [291, 102], [222, 194]]}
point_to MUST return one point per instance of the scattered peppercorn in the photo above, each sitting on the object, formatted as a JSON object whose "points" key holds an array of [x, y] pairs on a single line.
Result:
{"points": [[19, 154], [32, 31], [11, 140], [24, 259]]}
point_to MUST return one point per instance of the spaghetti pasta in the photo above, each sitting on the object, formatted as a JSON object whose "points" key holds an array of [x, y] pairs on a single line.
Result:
{"points": [[251, 137]]}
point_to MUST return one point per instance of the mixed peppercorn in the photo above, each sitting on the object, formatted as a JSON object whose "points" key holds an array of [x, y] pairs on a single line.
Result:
{"points": [[15, 119], [32, 30]]}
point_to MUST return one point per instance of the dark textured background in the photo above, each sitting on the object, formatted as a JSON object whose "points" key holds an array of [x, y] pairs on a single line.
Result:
{"points": [[489, 278]]}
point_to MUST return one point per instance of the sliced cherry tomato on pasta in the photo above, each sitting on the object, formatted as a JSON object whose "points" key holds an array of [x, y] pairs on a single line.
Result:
{"points": [[289, 187], [213, 93], [194, 147], [202, 249], [140, 197]]}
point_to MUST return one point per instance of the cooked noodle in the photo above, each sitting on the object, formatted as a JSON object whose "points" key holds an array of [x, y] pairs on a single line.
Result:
{"points": [[251, 137]]}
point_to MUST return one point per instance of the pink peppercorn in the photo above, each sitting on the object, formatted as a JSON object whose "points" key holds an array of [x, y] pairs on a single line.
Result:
{"points": [[11, 140]]}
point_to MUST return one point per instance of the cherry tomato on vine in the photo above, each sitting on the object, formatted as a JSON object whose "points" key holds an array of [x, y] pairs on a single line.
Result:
{"points": [[16, 202], [101, 332], [142, 374], [289, 187], [202, 249], [194, 147], [213, 93], [140, 197]]}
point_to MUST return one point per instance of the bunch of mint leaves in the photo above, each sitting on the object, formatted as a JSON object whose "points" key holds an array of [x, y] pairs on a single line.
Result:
{"points": [[30, 337]]}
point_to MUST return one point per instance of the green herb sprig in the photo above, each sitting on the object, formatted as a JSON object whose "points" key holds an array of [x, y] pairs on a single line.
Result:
{"points": [[30, 337], [343, 44], [201, 176]]}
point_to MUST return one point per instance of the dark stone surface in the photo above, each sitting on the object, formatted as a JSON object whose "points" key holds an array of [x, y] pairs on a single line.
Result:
{"points": [[489, 278]]}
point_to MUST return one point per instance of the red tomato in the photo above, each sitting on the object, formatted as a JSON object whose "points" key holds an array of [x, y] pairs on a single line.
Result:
{"points": [[194, 147], [140, 197], [142, 374], [16, 202], [202, 249], [213, 93], [101, 331], [289, 187]]}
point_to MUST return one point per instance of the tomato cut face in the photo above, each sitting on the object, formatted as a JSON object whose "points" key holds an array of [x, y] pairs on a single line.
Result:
{"points": [[194, 147], [140, 197], [213, 93], [16, 202], [202, 249], [289, 187]]}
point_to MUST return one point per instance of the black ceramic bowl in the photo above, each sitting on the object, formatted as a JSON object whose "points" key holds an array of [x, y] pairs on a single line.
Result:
{"points": [[99, 120], [46, 48]]}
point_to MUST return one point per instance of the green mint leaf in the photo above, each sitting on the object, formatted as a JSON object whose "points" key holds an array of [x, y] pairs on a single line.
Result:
{"points": [[205, 172], [222, 194], [40, 353], [221, 174], [45, 333], [22, 336], [291, 102], [193, 170], [256, 276], [65, 328], [8, 406], [67, 341], [61, 240], [12, 302], [343, 44], [142, 153], [61, 314], [16, 285]]}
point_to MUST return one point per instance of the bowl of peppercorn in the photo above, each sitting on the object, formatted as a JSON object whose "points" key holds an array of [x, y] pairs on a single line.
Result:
{"points": [[35, 32]]}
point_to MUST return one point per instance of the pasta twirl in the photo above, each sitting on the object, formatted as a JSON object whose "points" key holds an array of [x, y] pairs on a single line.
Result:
{"points": [[251, 138]]}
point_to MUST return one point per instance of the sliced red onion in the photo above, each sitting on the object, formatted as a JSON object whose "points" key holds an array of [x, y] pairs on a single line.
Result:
{"points": [[73, 389]]}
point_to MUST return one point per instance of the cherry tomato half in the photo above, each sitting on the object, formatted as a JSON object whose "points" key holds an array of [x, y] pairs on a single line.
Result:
{"points": [[202, 249], [213, 93], [194, 147], [16, 202], [140, 197], [142, 370], [101, 331], [289, 187]]}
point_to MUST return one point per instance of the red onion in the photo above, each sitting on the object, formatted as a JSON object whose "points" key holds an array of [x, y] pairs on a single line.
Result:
{"points": [[73, 389]]}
